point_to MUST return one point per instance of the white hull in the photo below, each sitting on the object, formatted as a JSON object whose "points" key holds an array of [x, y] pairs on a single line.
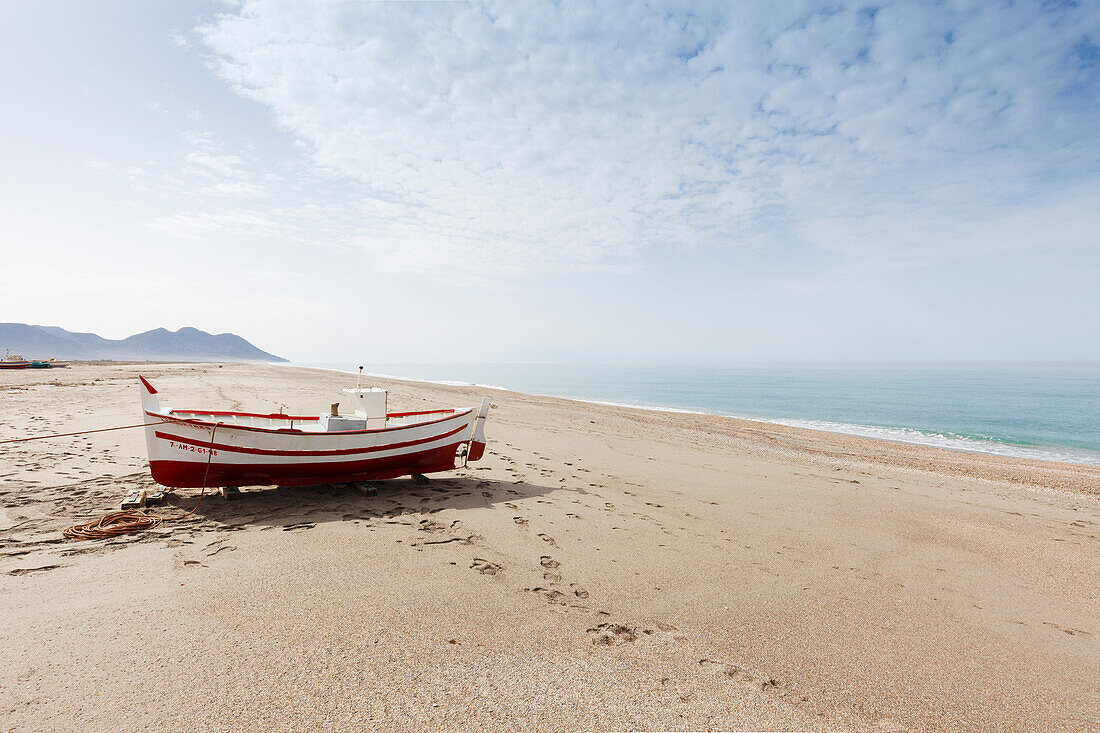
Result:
{"points": [[250, 449]]}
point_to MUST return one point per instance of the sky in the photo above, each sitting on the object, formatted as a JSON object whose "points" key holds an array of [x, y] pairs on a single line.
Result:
{"points": [[559, 182]]}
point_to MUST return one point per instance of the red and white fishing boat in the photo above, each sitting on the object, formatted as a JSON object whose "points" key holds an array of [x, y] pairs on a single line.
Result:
{"points": [[14, 361], [251, 449]]}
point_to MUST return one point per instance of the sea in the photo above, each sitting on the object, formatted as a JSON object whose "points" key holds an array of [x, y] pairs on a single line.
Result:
{"points": [[1043, 411]]}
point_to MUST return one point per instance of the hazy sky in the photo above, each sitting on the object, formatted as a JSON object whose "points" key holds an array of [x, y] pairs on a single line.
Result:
{"points": [[656, 182]]}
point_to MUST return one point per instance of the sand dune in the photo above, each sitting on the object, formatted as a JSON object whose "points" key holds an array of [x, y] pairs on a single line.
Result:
{"points": [[601, 569]]}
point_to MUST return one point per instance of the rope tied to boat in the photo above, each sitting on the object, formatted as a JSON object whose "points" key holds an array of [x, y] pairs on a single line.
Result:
{"points": [[81, 432], [135, 520]]}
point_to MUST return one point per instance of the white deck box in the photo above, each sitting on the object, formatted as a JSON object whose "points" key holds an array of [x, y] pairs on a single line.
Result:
{"points": [[369, 403]]}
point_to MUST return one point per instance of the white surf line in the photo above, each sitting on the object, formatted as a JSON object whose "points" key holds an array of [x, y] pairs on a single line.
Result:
{"points": [[907, 436]]}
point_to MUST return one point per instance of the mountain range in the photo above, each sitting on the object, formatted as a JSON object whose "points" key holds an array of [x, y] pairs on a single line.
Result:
{"points": [[160, 344]]}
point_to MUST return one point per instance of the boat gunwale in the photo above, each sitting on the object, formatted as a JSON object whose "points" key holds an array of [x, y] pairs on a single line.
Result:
{"points": [[169, 417], [271, 416]]}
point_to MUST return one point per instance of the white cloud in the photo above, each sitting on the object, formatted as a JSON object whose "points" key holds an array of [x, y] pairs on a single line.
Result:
{"points": [[208, 172], [528, 137], [178, 40]]}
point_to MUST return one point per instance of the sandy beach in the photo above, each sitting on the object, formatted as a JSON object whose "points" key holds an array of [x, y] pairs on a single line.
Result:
{"points": [[602, 568]]}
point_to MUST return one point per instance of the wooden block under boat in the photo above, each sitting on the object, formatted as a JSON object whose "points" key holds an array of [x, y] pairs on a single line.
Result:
{"points": [[134, 500]]}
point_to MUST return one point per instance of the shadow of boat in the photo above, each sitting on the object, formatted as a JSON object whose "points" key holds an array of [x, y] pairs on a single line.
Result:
{"points": [[294, 507]]}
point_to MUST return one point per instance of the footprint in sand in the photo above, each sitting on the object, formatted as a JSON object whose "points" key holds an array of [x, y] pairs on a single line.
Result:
{"points": [[485, 567], [547, 539], [551, 595], [510, 505], [549, 563], [579, 592], [519, 520], [611, 634]]}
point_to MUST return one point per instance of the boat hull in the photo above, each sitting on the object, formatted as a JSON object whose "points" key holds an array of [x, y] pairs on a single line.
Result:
{"points": [[185, 452], [190, 474]]}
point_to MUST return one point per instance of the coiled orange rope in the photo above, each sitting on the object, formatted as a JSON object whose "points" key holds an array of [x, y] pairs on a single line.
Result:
{"points": [[135, 520], [113, 524]]}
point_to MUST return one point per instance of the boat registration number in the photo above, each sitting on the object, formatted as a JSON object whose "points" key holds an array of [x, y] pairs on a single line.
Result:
{"points": [[190, 448]]}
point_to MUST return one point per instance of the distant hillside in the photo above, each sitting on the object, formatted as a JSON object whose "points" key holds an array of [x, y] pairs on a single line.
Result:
{"points": [[160, 344]]}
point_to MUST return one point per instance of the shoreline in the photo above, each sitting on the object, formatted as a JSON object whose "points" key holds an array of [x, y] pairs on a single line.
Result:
{"points": [[796, 423], [826, 445], [932, 438]]}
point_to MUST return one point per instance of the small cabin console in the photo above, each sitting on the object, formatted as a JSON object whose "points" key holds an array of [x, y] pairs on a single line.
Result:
{"points": [[368, 411]]}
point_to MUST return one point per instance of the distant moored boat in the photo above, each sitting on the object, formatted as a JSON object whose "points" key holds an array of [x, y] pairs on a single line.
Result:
{"points": [[13, 361]]}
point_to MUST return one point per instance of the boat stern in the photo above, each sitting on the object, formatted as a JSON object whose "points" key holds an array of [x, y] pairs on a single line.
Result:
{"points": [[477, 444]]}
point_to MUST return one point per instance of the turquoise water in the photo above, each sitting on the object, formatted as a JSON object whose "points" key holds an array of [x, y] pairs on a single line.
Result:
{"points": [[1033, 411]]}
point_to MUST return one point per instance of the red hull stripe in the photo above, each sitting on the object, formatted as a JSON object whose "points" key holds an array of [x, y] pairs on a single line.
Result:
{"points": [[333, 452], [191, 421], [187, 474]]}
